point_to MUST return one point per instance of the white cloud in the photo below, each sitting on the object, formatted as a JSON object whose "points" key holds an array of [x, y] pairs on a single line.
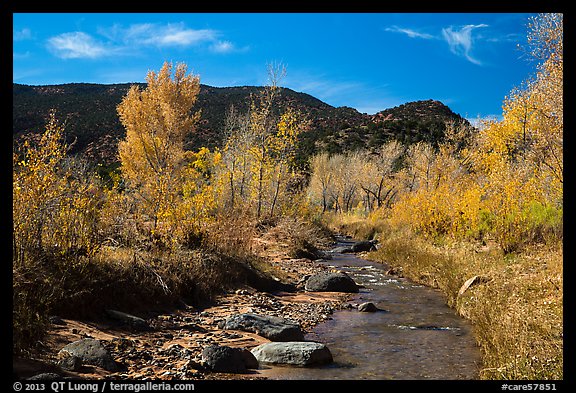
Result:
{"points": [[337, 92], [21, 35], [511, 37], [480, 121], [461, 41], [167, 35], [222, 47], [227, 47], [117, 39], [76, 45], [322, 88], [21, 56], [409, 32]]}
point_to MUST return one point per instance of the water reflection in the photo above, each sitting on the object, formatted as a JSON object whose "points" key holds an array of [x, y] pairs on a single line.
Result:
{"points": [[417, 337]]}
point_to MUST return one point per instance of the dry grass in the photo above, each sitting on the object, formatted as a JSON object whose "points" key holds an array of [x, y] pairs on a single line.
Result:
{"points": [[516, 309], [224, 256], [295, 238], [116, 277], [361, 228]]}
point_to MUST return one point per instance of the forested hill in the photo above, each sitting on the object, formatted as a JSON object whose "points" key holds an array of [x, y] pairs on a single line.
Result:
{"points": [[89, 111]]}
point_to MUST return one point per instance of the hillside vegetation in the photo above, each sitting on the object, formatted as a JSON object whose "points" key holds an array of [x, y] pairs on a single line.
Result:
{"points": [[94, 129]]}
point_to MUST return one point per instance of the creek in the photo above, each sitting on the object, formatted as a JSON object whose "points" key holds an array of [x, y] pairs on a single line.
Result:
{"points": [[417, 336]]}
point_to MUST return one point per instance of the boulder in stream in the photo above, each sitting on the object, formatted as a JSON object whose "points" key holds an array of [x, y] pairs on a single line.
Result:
{"points": [[368, 307], [364, 246], [270, 327], [224, 359], [341, 250], [331, 282], [298, 353]]}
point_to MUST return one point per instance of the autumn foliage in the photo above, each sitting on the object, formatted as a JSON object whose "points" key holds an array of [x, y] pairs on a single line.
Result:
{"points": [[166, 205], [55, 201], [486, 202], [501, 181]]}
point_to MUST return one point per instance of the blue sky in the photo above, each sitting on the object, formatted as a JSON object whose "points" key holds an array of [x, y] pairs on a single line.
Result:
{"points": [[368, 61]]}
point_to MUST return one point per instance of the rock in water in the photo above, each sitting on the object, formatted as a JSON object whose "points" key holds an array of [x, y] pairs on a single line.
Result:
{"points": [[89, 351], [364, 246], [224, 359], [341, 250], [270, 327], [331, 282], [368, 307], [299, 353]]}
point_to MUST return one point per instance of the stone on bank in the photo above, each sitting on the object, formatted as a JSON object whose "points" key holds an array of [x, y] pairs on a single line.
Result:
{"points": [[296, 353]]}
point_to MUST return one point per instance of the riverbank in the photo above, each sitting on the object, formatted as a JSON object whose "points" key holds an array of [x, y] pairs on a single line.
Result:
{"points": [[514, 301], [172, 347]]}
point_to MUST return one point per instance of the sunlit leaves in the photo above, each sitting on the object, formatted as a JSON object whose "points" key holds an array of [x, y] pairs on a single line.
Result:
{"points": [[502, 181], [257, 168], [55, 200], [157, 120]]}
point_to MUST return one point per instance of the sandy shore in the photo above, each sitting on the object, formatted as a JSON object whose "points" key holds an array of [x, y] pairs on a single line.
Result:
{"points": [[172, 349]]}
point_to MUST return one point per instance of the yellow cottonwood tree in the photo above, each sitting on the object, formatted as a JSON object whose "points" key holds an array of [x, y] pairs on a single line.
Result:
{"points": [[54, 200], [519, 160], [256, 172], [152, 156], [262, 127], [321, 181], [233, 176], [282, 147]]}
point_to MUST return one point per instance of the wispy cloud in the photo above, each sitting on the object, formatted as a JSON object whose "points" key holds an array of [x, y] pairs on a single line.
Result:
{"points": [[323, 88], [227, 47], [76, 45], [337, 92], [21, 35], [21, 56], [409, 32], [222, 47], [461, 41], [512, 37], [480, 120], [171, 34], [118, 39]]}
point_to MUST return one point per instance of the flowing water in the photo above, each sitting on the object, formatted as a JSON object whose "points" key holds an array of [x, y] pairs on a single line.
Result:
{"points": [[417, 336]]}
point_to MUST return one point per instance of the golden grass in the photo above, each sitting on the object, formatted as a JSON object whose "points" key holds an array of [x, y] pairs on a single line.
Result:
{"points": [[295, 237], [116, 277]]}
